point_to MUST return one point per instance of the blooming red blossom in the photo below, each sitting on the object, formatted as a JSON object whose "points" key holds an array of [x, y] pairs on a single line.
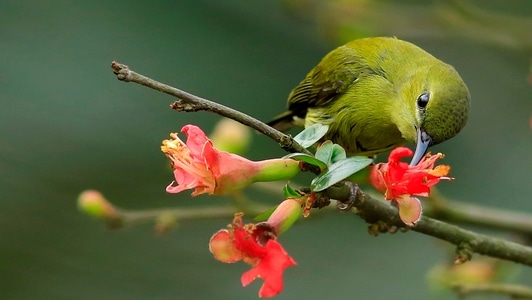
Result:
{"points": [[399, 181], [200, 166], [257, 245]]}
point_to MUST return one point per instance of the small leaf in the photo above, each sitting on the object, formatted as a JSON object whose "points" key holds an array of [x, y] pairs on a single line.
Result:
{"points": [[265, 215], [324, 152], [309, 159], [330, 153], [289, 192], [337, 154], [310, 135], [339, 171]]}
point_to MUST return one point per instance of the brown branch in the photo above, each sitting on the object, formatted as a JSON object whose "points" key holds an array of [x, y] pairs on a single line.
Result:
{"points": [[371, 210], [444, 209], [513, 290], [191, 103], [384, 218]]}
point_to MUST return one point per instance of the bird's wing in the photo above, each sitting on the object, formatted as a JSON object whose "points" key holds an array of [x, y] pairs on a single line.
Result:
{"points": [[331, 77]]}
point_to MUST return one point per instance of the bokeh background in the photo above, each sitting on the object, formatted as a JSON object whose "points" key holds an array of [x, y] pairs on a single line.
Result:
{"points": [[67, 124]]}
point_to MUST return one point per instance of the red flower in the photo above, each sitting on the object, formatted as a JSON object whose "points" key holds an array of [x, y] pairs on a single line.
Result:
{"points": [[399, 181], [198, 165], [255, 244]]}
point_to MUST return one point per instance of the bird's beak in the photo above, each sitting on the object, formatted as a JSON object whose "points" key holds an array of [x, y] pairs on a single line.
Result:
{"points": [[422, 145]]}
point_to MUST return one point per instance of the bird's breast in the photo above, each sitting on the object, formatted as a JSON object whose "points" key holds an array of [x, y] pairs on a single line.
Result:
{"points": [[359, 133]]}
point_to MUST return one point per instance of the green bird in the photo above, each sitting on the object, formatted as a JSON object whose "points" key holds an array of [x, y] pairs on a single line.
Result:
{"points": [[378, 93]]}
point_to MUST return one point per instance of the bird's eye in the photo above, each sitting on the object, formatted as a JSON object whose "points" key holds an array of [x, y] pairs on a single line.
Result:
{"points": [[423, 100]]}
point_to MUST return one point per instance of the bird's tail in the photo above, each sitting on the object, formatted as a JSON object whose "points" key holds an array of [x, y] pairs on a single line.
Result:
{"points": [[283, 122]]}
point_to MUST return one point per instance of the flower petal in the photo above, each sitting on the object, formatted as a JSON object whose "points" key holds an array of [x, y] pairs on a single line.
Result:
{"points": [[376, 177], [270, 268], [199, 165], [190, 170], [254, 244], [196, 138], [409, 209], [398, 178], [398, 153], [222, 248]]}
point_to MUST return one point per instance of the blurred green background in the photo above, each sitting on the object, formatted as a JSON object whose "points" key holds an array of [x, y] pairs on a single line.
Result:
{"points": [[67, 124]]}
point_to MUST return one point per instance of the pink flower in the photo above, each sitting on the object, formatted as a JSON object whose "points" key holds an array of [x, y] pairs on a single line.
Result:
{"points": [[399, 181], [257, 245], [199, 166]]}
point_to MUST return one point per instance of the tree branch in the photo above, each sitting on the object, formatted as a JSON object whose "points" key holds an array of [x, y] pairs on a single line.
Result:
{"points": [[191, 103], [444, 209], [382, 215], [512, 290]]}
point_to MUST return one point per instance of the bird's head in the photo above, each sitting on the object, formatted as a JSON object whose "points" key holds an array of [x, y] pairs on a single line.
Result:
{"points": [[439, 104]]}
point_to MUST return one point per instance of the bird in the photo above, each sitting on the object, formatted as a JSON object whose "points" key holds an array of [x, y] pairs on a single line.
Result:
{"points": [[377, 93]]}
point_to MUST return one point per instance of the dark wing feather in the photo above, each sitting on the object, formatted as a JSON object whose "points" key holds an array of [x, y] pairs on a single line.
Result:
{"points": [[335, 73]]}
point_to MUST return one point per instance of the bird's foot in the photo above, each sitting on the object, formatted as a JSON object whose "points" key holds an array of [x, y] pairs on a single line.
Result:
{"points": [[355, 195]]}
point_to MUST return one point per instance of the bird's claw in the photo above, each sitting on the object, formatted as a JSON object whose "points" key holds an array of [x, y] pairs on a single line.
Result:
{"points": [[354, 196]]}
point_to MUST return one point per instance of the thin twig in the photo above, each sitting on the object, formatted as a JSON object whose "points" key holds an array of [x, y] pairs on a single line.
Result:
{"points": [[131, 217], [515, 291], [123, 217], [191, 103]]}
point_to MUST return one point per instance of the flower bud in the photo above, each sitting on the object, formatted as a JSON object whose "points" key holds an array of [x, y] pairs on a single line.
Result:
{"points": [[94, 204], [231, 136]]}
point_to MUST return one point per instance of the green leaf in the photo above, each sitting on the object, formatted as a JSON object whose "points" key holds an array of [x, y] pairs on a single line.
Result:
{"points": [[330, 153], [311, 135], [309, 159], [324, 152], [265, 215], [339, 171], [289, 192], [338, 154]]}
